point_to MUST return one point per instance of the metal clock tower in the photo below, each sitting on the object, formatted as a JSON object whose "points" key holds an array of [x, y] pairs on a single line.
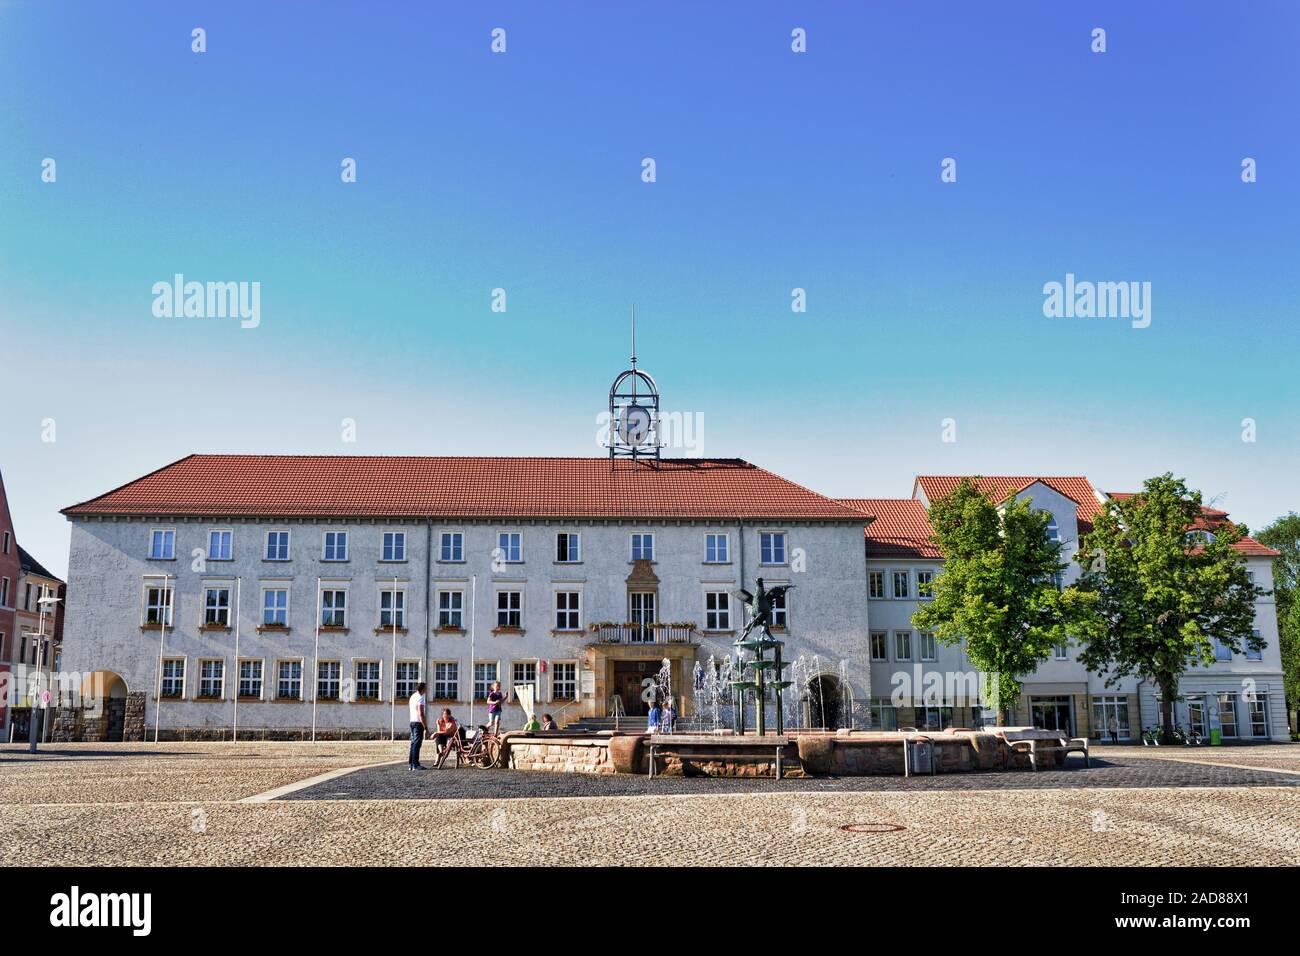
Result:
{"points": [[634, 413]]}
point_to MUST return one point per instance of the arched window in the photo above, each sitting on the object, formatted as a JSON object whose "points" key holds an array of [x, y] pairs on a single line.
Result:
{"points": [[1053, 529], [1198, 536]]}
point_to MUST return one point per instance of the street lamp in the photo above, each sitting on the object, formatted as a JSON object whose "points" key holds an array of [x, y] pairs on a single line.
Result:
{"points": [[45, 603]]}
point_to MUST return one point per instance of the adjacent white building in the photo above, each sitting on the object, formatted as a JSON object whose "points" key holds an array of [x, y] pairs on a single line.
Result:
{"points": [[1241, 694]]}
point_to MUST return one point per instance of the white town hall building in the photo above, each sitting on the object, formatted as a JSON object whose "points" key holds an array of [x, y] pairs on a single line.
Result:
{"points": [[293, 595]]}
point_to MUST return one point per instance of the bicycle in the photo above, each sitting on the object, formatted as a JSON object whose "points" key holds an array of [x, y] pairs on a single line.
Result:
{"points": [[1151, 737], [483, 751]]}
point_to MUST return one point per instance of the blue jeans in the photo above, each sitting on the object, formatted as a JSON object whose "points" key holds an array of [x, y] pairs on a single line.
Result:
{"points": [[417, 738]]}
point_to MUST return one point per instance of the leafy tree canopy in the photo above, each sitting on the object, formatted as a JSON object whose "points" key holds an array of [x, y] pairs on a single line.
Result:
{"points": [[1164, 588], [999, 591]]}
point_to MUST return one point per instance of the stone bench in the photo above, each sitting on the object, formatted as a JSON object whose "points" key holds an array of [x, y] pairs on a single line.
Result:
{"points": [[1044, 748]]}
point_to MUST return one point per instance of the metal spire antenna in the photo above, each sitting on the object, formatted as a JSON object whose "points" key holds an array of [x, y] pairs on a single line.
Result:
{"points": [[634, 412]]}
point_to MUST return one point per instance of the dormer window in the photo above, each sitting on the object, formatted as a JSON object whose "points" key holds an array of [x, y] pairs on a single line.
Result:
{"points": [[1198, 537]]}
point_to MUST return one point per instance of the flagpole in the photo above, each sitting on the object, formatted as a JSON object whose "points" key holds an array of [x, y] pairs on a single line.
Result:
{"points": [[234, 726], [315, 663], [473, 613], [392, 714]]}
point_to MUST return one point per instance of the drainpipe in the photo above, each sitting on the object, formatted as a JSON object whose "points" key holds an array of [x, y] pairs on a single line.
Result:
{"points": [[428, 586]]}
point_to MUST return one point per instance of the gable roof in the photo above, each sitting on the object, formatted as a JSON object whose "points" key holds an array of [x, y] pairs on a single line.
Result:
{"points": [[1002, 487], [1212, 518], [901, 527], [31, 566], [382, 486]]}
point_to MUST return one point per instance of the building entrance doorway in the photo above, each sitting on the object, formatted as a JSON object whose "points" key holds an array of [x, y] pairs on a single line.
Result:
{"points": [[825, 704], [633, 682], [1051, 713]]}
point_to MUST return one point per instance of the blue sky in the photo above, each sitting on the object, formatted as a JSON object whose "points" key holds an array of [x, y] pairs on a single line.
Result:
{"points": [[775, 170]]}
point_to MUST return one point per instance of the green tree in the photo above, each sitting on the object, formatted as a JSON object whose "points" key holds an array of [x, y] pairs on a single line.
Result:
{"points": [[1284, 535], [1164, 589], [999, 591]]}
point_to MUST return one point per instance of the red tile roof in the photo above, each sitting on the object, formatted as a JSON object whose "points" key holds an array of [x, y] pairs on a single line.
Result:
{"points": [[1001, 487], [1213, 518], [455, 487], [901, 529]]}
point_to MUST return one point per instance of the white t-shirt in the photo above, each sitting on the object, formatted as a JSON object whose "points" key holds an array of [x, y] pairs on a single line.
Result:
{"points": [[417, 701]]}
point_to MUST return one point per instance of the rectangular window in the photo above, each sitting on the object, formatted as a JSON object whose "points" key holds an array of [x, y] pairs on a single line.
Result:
{"points": [[510, 544], [1222, 652], [780, 611], [1196, 714], [250, 679], [568, 610], [451, 605], [158, 605], [643, 547], [219, 545], [717, 611], [333, 608], [173, 677], [641, 612], [902, 645], [929, 648], [717, 548], [162, 545], [924, 580], [879, 646], [4, 592], [408, 675], [394, 546], [367, 679], [902, 584], [933, 718], [328, 680], [277, 546], [212, 679], [566, 547], [876, 584], [485, 672], [884, 715], [1106, 708], [1228, 714], [452, 547], [1251, 653], [1061, 652], [289, 680], [392, 608], [446, 680], [27, 598], [564, 680], [525, 672], [771, 547], [216, 607], [336, 546], [1259, 715], [6, 542], [510, 609], [275, 607]]}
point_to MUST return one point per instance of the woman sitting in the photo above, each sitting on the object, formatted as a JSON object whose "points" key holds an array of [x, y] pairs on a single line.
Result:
{"points": [[446, 729]]}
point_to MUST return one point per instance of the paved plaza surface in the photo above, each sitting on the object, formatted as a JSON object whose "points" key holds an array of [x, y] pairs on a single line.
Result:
{"points": [[181, 804]]}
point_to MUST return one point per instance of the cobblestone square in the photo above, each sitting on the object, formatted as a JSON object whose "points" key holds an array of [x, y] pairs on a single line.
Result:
{"points": [[225, 804]]}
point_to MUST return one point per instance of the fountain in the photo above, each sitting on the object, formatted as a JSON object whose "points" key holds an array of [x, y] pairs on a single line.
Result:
{"points": [[758, 686]]}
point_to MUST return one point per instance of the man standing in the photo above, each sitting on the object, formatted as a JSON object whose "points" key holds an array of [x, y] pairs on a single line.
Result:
{"points": [[419, 728]]}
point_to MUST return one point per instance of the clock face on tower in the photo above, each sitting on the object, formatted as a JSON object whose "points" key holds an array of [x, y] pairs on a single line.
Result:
{"points": [[634, 424]]}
